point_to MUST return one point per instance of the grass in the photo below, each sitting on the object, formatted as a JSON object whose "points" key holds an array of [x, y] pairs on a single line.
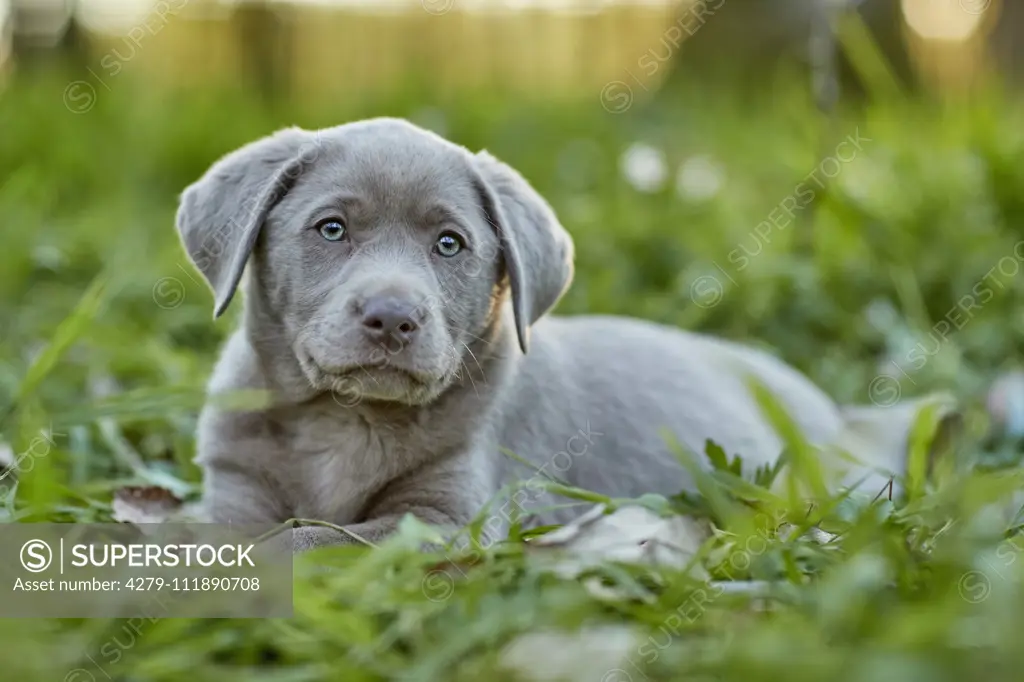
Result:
{"points": [[108, 339]]}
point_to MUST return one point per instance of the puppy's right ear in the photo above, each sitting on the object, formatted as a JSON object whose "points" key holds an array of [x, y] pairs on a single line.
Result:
{"points": [[536, 249], [220, 215]]}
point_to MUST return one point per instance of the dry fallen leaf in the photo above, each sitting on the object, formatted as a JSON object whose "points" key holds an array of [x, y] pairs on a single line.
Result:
{"points": [[144, 504], [631, 534], [585, 656]]}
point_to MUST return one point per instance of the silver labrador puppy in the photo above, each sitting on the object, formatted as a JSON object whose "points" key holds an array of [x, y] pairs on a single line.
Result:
{"points": [[395, 311]]}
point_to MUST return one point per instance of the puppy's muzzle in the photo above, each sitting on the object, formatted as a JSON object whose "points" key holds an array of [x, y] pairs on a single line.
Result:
{"points": [[391, 321]]}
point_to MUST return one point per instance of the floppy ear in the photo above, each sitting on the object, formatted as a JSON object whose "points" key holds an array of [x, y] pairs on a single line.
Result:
{"points": [[537, 251], [220, 215]]}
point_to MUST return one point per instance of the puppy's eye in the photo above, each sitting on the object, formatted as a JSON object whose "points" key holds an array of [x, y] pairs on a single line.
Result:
{"points": [[331, 229], [448, 244]]}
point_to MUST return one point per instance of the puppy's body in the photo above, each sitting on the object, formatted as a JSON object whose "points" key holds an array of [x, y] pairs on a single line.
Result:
{"points": [[395, 312], [584, 406]]}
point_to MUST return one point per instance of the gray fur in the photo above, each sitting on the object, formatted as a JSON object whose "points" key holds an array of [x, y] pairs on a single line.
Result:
{"points": [[359, 434]]}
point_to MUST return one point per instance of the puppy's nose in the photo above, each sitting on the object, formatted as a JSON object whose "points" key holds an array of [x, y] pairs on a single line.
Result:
{"points": [[386, 318]]}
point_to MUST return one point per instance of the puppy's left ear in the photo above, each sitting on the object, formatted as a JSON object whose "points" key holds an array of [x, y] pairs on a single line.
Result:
{"points": [[537, 251], [221, 214]]}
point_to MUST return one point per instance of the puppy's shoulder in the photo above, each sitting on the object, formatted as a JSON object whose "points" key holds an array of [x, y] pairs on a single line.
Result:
{"points": [[221, 431], [237, 367]]}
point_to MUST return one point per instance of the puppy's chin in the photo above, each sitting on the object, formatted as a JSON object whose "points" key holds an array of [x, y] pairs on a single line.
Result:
{"points": [[389, 384], [351, 384]]}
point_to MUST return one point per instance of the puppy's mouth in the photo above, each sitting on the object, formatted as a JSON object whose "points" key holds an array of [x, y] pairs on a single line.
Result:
{"points": [[383, 381], [381, 371]]}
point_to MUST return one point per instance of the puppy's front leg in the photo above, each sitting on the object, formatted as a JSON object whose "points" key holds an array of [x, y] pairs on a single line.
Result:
{"points": [[448, 493], [238, 494], [372, 531]]}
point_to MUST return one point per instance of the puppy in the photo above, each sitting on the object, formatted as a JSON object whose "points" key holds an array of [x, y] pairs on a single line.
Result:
{"points": [[395, 310]]}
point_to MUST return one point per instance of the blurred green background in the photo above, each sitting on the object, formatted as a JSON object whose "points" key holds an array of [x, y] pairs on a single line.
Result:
{"points": [[841, 182]]}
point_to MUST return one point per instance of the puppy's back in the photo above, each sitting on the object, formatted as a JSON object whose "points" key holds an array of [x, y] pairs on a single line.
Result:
{"points": [[603, 389]]}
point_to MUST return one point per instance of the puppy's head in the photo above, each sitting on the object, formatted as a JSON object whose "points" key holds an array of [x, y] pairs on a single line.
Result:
{"points": [[379, 252]]}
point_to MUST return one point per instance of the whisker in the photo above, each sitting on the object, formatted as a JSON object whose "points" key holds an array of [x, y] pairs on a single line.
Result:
{"points": [[487, 342], [472, 355], [450, 352], [469, 375]]}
